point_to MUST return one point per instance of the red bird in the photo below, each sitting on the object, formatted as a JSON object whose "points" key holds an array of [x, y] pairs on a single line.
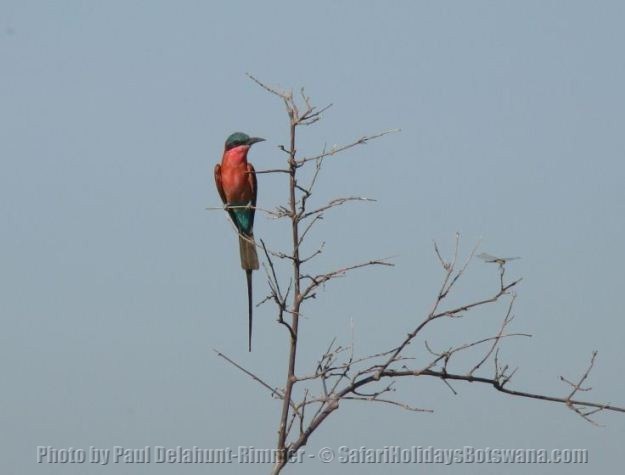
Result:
{"points": [[237, 187]]}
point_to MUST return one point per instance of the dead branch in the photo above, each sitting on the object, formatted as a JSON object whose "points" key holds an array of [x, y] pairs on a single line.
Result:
{"points": [[332, 204], [340, 374], [275, 392], [320, 279], [337, 149]]}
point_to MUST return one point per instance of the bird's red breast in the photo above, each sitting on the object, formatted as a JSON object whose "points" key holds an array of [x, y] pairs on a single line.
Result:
{"points": [[235, 176]]}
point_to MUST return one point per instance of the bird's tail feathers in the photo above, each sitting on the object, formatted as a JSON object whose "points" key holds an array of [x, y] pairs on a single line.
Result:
{"points": [[247, 250]]}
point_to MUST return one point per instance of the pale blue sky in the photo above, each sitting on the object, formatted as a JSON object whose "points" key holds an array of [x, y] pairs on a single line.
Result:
{"points": [[116, 282]]}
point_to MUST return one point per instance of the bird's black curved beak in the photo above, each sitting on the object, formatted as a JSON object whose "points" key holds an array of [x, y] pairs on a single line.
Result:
{"points": [[253, 140]]}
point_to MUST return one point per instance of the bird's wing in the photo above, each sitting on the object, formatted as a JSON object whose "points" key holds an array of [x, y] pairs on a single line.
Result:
{"points": [[220, 188], [254, 187]]}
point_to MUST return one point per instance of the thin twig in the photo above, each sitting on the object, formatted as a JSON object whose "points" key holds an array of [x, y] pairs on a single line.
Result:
{"points": [[274, 391], [337, 149]]}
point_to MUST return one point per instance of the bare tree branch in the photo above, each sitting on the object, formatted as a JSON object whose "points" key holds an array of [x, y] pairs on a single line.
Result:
{"points": [[274, 391], [332, 204], [320, 279], [388, 401], [337, 149], [340, 374]]}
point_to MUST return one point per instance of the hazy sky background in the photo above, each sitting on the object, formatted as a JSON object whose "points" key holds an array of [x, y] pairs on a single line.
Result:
{"points": [[116, 282]]}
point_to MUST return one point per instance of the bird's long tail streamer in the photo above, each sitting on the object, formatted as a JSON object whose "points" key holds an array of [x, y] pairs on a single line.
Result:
{"points": [[249, 262], [248, 274]]}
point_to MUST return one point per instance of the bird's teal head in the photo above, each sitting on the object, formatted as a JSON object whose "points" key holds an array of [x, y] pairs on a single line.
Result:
{"points": [[239, 138]]}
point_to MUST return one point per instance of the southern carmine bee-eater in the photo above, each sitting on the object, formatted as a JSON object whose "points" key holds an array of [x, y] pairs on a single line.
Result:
{"points": [[236, 183]]}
